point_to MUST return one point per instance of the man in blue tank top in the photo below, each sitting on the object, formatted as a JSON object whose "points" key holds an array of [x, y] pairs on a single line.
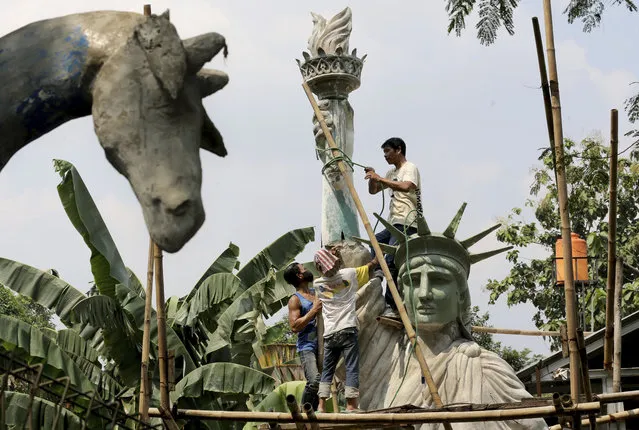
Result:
{"points": [[303, 306]]}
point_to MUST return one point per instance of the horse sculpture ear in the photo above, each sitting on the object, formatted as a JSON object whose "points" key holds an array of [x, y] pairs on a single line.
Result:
{"points": [[212, 140], [201, 49], [164, 52], [211, 81]]}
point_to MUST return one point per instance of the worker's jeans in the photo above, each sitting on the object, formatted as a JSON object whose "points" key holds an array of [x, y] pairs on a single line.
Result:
{"points": [[343, 341], [309, 364], [384, 236]]}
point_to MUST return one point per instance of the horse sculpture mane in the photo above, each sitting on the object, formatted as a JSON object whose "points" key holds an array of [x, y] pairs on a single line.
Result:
{"points": [[144, 87]]}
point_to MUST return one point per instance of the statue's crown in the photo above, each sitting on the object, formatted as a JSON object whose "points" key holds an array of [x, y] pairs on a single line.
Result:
{"points": [[424, 242]]}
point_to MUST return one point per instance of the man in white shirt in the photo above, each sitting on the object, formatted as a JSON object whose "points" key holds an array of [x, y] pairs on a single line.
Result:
{"points": [[403, 183], [336, 289]]}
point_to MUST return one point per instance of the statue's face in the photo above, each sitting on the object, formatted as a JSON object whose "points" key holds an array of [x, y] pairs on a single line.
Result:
{"points": [[437, 283]]}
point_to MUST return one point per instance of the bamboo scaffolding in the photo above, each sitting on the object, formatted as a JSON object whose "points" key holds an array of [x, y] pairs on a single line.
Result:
{"points": [[291, 404], [616, 362], [481, 329], [617, 397], [394, 418], [617, 416], [410, 332], [310, 412], [612, 244], [145, 387], [562, 189], [165, 401], [585, 375]]}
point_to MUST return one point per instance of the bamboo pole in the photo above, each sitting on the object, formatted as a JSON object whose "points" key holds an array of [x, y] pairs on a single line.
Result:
{"points": [[410, 332], [334, 396], [291, 404], [481, 329], [616, 362], [395, 418], [145, 387], [612, 245], [585, 375], [617, 397], [162, 352], [617, 416], [310, 412], [562, 189], [545, 88]]}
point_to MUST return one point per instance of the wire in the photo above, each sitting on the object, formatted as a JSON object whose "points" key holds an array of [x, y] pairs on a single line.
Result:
{"points": [[348, 160]]}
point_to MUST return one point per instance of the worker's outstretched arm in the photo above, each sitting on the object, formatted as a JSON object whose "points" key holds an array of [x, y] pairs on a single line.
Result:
{"points": [[297, 322], [365, 272]]}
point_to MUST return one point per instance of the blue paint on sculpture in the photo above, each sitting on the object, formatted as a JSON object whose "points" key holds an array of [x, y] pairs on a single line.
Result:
{"points": [[58, 74]]}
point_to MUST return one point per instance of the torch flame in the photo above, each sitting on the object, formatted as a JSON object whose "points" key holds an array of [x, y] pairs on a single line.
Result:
{"points": [[332, 34]]}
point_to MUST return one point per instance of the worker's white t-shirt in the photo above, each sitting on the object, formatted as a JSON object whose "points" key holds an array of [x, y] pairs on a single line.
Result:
{"points": [[337, 294], [404, 203]]}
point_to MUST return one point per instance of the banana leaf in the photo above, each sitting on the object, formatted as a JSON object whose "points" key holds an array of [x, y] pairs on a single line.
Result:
{"points": [[245, 308], [106, 263], [133, 304], [30, 345], [45, 289], [222, 380], [204, 303], [72, 343], [277, 255], [43, 414], [121, 336], [226, 262]]}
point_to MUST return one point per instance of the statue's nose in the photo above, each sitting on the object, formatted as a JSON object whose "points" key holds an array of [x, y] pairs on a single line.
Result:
{"points": [[175, 206], [425, 288], [180, 209]]}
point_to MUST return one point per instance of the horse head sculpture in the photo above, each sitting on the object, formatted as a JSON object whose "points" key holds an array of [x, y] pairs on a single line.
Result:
{"points": [[144, 87]]}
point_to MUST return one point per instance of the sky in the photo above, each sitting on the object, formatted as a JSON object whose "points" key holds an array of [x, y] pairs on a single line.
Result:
{"points": [[472, 118]]}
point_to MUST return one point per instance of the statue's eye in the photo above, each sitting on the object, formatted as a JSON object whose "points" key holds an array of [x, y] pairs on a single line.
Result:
{"points": [[439, 277]]}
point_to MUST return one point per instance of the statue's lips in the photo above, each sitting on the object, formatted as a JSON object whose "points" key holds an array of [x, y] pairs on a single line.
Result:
{"points": [[428, 310]]}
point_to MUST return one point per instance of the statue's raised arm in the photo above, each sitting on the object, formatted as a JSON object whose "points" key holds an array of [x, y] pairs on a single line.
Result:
{"points": [[144, 87]]}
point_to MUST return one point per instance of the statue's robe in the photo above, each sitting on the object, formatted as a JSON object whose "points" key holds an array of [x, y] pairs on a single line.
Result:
{"points": [[463, 372]]}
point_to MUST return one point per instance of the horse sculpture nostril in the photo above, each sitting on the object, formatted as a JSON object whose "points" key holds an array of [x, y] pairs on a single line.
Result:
{"points": [[180, 209]]}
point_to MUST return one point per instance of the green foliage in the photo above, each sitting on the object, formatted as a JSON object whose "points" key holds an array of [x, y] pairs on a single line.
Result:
{"points": [[24, 309], [280, 332], [100, 349], [517, 359], [587, 174], [496, 13]]}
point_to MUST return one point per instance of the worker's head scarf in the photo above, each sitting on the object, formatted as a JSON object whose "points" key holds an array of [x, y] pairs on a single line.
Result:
{"points": [[325, 261]]}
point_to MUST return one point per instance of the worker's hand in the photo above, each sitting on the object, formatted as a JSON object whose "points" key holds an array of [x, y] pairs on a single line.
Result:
{"points": [[374, 262], [371, 175], [368, 169], [317, 304]]}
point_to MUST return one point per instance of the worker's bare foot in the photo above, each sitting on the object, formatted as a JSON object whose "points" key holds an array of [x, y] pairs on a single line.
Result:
{"points": [[353, 410]]}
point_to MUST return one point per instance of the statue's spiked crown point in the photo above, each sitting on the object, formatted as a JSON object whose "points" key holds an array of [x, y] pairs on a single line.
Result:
{"points": [[424, 242]]}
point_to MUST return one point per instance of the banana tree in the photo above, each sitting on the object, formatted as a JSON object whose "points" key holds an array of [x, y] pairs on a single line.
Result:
{"points": [[220, 320]]}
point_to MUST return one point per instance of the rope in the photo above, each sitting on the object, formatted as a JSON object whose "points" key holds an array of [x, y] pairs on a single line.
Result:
{"points": [[345, 158], [348, 160]]}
